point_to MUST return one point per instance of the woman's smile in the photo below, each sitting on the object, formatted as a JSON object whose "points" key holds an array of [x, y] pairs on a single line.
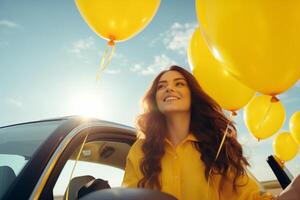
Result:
{"points": [[171, 98]]}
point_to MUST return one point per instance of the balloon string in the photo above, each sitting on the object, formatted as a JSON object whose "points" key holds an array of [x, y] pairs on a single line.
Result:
{"points": [[77, 158], [258, 126], [232, 114], [106, 59], [225, 134]]}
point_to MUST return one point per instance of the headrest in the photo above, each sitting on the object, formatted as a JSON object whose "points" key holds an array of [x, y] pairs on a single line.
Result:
{"points": [[74, 186], [7, 176]]}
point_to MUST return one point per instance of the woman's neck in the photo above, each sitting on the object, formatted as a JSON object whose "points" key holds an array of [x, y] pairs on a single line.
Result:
{"points": [[178, 125]]}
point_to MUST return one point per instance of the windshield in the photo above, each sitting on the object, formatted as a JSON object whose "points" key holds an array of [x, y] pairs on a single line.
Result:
{"points": [[18, 143]]}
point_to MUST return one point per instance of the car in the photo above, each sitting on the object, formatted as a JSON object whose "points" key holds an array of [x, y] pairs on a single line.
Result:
{"points": [[70, 158], [55, 158]]}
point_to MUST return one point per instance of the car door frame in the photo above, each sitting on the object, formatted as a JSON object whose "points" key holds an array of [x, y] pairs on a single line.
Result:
{"points": [[27, 179], [96, 131]]}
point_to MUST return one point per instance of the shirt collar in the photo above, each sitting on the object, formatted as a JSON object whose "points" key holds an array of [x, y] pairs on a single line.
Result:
{"points": [[190, 137]]}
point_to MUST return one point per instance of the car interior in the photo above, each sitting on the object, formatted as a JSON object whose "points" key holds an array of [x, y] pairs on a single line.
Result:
{"points": [[100, 152], [104, 152], [98, 166]]}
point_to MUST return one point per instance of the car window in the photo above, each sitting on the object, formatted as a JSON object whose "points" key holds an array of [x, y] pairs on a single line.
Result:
{"points": [[24, 139], [15, 162], [17, 145], [101, 160], [113, 175]]}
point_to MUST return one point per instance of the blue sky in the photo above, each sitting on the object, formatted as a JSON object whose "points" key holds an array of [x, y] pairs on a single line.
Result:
{"points": [[49, 59]]}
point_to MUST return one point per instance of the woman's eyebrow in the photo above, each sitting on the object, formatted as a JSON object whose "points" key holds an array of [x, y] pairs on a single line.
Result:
{"points": [[177, 79], [163, 81]]}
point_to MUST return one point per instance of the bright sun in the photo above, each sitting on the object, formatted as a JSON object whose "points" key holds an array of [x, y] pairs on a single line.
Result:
{"points": [[86, 104]]}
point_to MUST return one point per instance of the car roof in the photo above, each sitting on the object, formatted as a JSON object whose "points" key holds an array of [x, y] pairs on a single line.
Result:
{"points": [[61, 129], [71, 117]]}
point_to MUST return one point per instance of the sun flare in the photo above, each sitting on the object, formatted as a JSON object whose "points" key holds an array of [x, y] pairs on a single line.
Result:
{"points": [[86, 104]]}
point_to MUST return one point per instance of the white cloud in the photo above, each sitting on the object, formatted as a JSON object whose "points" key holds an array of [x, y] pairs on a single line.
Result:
{"points": [[9, 24], [160, 63], [82, 45], [177, 37], [136, 68], [117, 63], [119, 60], [121, 57], [291, 100], [88, 53], [14, 102], [247, 140], [287, 99], [112, 71], [283, 96]]}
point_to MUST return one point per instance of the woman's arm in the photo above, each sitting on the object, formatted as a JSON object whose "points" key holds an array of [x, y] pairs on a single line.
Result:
{"points": [[130, 178], [132, 170]]}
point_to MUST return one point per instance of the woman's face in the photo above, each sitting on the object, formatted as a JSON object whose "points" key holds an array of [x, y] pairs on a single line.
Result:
{"points": [[173, 93]]}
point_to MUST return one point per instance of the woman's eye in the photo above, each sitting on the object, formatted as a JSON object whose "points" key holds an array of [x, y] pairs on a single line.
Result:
{"points": [[160, 87], [180, 84]]}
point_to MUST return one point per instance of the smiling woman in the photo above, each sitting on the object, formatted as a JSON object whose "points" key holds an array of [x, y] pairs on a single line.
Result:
{"points": [[182, 129]]}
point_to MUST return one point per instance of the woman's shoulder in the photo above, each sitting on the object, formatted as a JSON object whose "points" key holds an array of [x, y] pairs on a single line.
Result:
{"points": [[138, 143], [136, 148]]}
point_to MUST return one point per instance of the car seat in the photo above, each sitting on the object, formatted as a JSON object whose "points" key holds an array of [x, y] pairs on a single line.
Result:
{"points": [[75, 184], [94, 185], [7, 176]]}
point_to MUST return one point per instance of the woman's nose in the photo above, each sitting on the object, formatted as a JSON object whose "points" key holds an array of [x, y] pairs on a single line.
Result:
{"points": [[169, 89]]}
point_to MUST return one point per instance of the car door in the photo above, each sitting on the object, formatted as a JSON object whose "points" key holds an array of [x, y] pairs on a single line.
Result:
{"points": [[93, 151]]}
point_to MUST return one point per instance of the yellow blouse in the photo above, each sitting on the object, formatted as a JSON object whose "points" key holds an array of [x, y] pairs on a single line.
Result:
{"points": [[183, 175]]}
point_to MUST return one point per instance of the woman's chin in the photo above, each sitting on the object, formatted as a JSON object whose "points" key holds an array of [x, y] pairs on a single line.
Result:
{"points": [[174, 110]]}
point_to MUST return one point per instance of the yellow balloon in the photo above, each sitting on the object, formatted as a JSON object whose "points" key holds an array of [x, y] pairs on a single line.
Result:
{"points": [[263, 117], [258, 40], [117, 20], [214, 79], [294, 125], [284, 146]]}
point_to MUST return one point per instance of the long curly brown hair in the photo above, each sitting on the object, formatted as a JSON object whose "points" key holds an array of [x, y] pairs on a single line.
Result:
{"points": [[208, 124]]}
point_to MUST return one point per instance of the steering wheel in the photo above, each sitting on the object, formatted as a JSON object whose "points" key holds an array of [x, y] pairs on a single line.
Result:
{"points": [[127, 194]]}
